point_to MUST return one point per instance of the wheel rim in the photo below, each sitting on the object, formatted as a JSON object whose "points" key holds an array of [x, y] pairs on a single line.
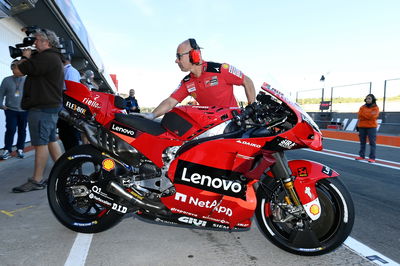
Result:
{"points": [[324, 229], [82, 173]]}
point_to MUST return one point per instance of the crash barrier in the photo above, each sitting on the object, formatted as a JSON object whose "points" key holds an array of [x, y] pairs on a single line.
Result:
{"points": [[388, 122]]}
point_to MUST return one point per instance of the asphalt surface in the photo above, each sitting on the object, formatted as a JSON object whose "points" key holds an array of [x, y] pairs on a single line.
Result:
{"points": [[375, 190], [30, 234]]}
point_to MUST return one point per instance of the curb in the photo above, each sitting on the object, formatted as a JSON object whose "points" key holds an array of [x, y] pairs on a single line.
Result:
{"points": [[353, 136]]}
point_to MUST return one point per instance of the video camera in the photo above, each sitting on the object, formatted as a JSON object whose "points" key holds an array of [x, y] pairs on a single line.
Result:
{"points": [[27, 41], [66, 47]]}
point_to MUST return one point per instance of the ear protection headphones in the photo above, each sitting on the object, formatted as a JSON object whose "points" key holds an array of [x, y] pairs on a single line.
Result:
{"points": [[194, 54]]}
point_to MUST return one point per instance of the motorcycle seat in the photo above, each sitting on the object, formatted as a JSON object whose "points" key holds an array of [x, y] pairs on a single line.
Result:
{"points": [[140, 123]]}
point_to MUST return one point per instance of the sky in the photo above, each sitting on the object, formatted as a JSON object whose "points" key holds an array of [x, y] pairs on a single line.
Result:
{"points": [[287, 43]]}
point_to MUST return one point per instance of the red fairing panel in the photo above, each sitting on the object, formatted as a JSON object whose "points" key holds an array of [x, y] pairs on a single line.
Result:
{"points": [[213, 206], [307, 174], [101, 104]]}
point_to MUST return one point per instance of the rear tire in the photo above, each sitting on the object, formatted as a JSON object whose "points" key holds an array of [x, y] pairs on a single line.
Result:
{"points": [[326, 233], [81, 166]]}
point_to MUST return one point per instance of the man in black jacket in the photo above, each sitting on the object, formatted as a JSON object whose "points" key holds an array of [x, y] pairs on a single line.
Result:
{"points": [[43, 99]]}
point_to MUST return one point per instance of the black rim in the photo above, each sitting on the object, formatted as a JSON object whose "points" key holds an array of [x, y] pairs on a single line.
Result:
{"points": [[81, 173], [324, 229]]}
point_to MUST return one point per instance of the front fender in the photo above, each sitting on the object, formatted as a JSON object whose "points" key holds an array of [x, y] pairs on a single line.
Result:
{"points": [[307, 173]]}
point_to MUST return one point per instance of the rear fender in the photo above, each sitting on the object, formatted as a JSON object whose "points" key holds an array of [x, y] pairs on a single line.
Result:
{"points": [[307, 173]]}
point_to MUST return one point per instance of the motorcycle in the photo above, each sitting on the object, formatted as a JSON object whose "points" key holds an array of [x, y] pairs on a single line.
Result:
{"points": [[202, 166]]}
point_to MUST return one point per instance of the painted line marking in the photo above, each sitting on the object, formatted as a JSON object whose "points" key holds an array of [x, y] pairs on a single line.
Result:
{"points": [[368, 253], [11, 213], [349, 156], [358, 142], [79, 251]]}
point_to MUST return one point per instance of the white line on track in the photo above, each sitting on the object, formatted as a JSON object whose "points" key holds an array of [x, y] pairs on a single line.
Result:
{"points": [[368, 253], [350, 156], [79, 251]]}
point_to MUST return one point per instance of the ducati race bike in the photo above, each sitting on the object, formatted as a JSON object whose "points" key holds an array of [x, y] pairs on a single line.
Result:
{"points": [[200, 166]]}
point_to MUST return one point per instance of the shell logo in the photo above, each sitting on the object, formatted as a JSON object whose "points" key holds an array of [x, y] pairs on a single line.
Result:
{"points": [[108, 164], [314, 209], [226, 66]]}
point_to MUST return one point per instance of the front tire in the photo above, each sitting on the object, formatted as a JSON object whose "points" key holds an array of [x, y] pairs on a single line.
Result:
{"points": [[79, 169], [317, 237]]}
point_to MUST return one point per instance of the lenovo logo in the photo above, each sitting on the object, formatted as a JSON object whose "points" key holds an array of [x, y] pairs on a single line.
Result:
{"points": [[210, 179], [123, 130]]}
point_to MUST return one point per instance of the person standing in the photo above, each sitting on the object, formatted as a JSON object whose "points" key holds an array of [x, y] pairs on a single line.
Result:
{"points": [[43, 99], [132, 105], [69, 135], [367, 127], [209, 83], [11, 89]]}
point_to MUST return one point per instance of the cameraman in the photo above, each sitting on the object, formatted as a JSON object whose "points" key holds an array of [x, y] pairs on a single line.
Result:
{"points": [[43, 99]]}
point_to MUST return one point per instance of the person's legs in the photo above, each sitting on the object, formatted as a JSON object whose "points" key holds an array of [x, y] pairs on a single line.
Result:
{"points": [[55, 150], [41, 156], [22, 122], [372, 142], [363, 140], [11, 127]]}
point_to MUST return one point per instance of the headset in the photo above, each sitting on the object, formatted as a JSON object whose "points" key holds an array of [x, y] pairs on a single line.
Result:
{"points": [[194, 54]]}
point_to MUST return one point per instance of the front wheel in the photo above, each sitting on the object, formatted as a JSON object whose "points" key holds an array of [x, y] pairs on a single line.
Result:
{"points": [[297, 233], [77, 192]]}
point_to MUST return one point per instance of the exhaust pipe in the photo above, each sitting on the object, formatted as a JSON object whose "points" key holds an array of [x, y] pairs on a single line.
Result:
{"points": [[138, 201]]}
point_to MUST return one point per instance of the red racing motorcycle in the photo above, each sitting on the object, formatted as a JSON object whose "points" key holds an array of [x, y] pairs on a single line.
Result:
{"points": [[200, 166]]}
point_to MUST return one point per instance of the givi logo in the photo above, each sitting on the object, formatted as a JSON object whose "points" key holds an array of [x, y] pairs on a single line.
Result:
{"points": [[211, 179]]}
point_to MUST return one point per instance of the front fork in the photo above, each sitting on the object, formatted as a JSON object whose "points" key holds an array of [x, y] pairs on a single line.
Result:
{"points": [[282, 171], [300, 186]]}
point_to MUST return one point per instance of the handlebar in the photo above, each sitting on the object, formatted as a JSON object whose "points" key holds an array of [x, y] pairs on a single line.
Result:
{"points": [[265, 112]]}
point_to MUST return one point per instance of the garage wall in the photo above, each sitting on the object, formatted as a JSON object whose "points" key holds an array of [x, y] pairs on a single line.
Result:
{"points": [[10, 34]]}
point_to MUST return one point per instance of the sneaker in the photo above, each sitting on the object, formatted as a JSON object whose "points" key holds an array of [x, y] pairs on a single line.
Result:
{"points": [[371, 160], [359, 158], [29, 186], [20, 154], [6, 154]]}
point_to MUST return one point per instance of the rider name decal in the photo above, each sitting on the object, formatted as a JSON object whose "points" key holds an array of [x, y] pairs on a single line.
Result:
{"points": [[211, 179]]}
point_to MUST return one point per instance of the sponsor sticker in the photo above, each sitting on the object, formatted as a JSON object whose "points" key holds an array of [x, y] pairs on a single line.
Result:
{"points": [[302, 172], [314, 209], [210, 179], [233, 70], [91, 102], [326, 170], [123, 130], [108, 164], [225, 66]]}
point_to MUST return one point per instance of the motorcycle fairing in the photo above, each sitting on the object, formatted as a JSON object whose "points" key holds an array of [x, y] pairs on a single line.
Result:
{"points": [[100, 104], [187, 122], [307, 173], [212, 206]]}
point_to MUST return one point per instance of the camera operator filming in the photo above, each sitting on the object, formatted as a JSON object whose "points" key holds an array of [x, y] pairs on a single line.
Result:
{"points": [[42, 98]]}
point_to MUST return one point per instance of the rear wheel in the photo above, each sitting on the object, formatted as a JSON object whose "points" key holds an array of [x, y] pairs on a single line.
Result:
{"points": [[77, 192], [297, 233]]}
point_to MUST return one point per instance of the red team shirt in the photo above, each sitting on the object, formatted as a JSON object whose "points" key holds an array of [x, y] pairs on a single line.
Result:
{"points": [[214, 87]]}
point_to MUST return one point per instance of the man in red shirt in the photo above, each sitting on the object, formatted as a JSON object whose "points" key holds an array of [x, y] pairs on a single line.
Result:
{"points": [[210, 84]]}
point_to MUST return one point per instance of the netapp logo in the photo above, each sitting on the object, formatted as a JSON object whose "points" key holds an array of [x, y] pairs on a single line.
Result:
{"points": [[123, 130], [210, 179]]}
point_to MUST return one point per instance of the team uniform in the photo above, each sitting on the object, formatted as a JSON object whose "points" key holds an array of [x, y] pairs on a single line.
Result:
{"points": [[214, 87]]}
